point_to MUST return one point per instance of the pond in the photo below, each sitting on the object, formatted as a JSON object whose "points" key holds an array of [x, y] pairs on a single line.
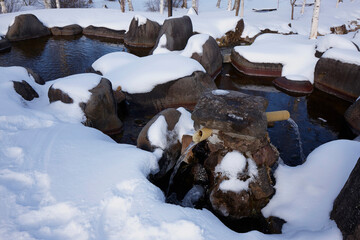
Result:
{"points": [[319, 116]]}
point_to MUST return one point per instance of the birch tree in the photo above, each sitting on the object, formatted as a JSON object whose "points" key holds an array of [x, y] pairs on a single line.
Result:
{"points": [[195, 5], [184, 5], [161, 6], [292, 3], [229, 5], [130, 5], [218, 3], [315, 20], [3, 6], [47, 3], [122, 5], [57, 3], [337, 3], [303, 7], [242, 9]]}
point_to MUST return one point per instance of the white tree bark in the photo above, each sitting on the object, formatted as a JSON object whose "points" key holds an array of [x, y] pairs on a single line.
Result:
{"points": [[3, 6], [47, 3], [130, 5], [57, 3], [218, 3], [161, 7], [194, 5], [303, 7], [242, 9], [315, 20], [337, 3], [229, 5]]}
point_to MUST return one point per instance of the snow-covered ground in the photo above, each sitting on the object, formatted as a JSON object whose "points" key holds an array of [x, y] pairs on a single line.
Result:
{"points": [[62, 180]]}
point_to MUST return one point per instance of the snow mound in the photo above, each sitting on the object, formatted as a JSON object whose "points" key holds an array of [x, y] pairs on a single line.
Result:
{"points": [[140, 19], [145, 73], [296, 53], [343, 55], [157, 133], [185, 125], [334, 41], [161, 48], [195, 45]]}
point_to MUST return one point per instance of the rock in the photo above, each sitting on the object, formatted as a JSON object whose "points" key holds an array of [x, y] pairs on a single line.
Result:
{"points": [[101, 109], [255, 69], [144, 35], [346, 211], [26, 26], [5, 45], [104, 32], [25, 90], [232, 38], [58, 95], [183, 92], [69, 30], [352, 116], [37, 78], [338, 78], [211, 58], [293, 86], [177, 32], [231, 112], [339, 29], [119, 95]]}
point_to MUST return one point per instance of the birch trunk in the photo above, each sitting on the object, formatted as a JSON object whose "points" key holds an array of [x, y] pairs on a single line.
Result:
{"points": [[47, 3], [122, 5], [3, 6], [303, 7], [130, 5], [236, 4], [161, 7], [184, 4], [229, 5], [194, 5], [315, 20], [57, 3], [242, 9], [218, 3]]}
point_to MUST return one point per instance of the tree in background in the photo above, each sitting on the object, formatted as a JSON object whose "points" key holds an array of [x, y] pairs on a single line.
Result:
{"points": [[229, 5], [57, 3], [161, 7], [218, 3], [303, 7], [3, 6], [131, 8], [47, 3], [122, 5], [184, 5], [292, 3], [315, 20]]}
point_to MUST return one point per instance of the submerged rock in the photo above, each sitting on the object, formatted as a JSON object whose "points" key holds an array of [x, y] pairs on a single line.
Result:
{"points": [[174, 34], [346, 211], [104, 32], [26, 26], [352, 116], [25, 90], [69, 30], [142, 35]]}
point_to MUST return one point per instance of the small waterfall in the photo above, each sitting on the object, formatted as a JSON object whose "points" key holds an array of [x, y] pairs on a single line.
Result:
{"points": [[178, 163], [297, 132]]}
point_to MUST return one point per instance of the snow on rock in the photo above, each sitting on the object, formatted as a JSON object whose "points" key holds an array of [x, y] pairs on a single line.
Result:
{"points": [[157, 133], [305, 194], [161, 48], [233, 164], [195, 45], [296, 54], [219, 92], [343, 55], [185, 125], [334, 41], [141, 20], [192, 12], [145, 73]]}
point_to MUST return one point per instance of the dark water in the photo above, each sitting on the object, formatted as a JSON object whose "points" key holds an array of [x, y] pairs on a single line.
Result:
{"points": [[54, 57], [319, 115]]}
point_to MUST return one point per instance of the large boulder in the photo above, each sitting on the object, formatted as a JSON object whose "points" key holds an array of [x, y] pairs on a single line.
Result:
{"points": [[338, 78], [255, 69], [209, 56], [174, 34], [142, 33], [26, 26], [100, 110], [183, 92], [352, 116], [104, 32], [232, 38], [24, 89], [346, 211], [5, 45], [69, 30]]}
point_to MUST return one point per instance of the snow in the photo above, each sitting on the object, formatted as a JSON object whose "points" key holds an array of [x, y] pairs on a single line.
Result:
{"points": [[332, 40], [145, 73], [161, 47], [141, 20], [157, 133], [233, 164], [185, 125], [195, 45], [305, 194], [295, 52], [343, 55], [219, 92]]}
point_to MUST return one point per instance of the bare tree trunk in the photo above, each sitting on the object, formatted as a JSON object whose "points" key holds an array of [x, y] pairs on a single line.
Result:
{"points": [[292, 3], [161, 7], [337, 3], [194, 5], [130, 5], [3, 6], [47, 3], [315, 20], [303, 7], [242, 9], [236, 3], [57, 3], [184, 4], [237, 7], [170, 8], [229, 5], [122, 5], [218, 3]]}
